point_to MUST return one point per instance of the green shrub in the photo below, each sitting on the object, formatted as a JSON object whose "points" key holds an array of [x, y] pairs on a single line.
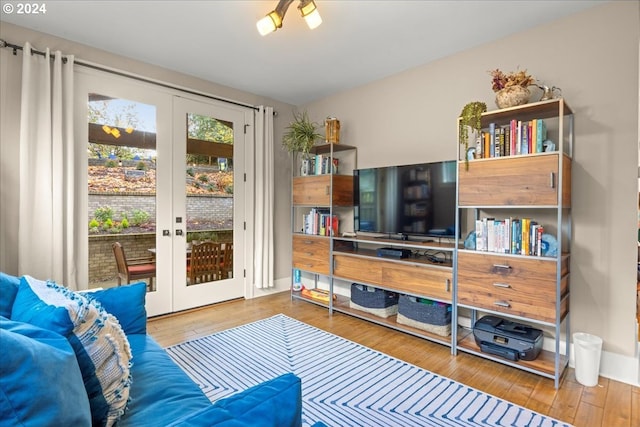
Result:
{"points": [[124, 223], [94, 224], [138, 217], [228, 189], [94, 230], [110, 163], [190, 172], [203, 178], [103, 213], [141, 166]]}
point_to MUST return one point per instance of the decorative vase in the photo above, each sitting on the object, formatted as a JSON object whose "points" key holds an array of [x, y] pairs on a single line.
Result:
{"points": [[512, 96], [305, 167]]}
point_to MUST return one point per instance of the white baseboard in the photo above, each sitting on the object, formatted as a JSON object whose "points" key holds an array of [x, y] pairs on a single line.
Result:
{"points": [[281, 285], [625, 369]]}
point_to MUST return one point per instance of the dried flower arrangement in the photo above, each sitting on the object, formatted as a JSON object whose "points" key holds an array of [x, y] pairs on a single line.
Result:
{"points": [[501, 80]]}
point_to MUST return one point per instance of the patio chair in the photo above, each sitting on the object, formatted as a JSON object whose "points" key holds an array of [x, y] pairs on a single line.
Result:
{"points": [[226, 266], [134, 269], [204, 265]]}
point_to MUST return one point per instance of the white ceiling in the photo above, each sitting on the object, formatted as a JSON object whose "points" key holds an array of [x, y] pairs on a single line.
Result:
{"points": [[358, 42]]}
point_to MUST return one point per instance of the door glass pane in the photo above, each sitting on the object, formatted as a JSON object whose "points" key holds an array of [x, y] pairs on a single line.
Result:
{"points": [[121, 171], [209, 195]]}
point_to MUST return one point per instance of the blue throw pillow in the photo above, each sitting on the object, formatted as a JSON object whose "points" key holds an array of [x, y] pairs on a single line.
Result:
{"points": [[273, 403], [40, 381], [126, 303], [8, 290], [101, 347]]}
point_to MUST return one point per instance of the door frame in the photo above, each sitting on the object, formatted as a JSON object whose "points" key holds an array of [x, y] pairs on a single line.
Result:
{"points": [[91, 80]]}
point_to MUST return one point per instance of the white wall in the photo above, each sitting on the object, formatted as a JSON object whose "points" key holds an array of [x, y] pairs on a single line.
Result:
{"points": [[593, 57]]}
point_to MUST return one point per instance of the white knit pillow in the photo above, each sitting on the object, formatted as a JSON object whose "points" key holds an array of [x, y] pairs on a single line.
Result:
{"points": [[101, 347]]}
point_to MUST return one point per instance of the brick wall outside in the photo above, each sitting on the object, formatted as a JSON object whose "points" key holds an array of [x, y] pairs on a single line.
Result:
{"points": [[199, 207], [102, 262]]}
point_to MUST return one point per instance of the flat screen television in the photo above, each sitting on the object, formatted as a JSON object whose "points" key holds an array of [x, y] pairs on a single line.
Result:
{"points": [[407, 200]]}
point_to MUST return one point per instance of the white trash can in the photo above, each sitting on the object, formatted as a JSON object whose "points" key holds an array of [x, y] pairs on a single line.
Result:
{"points": [[588, 349]]}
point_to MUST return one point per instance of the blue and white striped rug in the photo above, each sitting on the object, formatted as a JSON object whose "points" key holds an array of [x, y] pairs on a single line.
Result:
{"points": [[343, 383]]}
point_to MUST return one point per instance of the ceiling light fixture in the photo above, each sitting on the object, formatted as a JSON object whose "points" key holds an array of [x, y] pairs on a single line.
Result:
{"points": [[274, 19]]}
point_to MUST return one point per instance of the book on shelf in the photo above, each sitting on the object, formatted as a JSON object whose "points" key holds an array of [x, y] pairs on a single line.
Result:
{"points": [[323, 164], [520, 236], [492, 140], [320, 222], [517, 137]]}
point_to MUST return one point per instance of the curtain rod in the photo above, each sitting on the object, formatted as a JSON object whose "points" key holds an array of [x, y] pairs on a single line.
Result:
{"points": [[15, 47]]}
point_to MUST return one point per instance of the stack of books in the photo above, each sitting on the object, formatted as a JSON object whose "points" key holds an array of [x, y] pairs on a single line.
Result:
{"points": [[320, 222], [518, 137], [509, 236]]}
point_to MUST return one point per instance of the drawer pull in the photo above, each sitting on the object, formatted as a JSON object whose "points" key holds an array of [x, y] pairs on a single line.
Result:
{"points": [[502, 285], [552, 180], [502, 304], [328, 191], [308, 242], [447, 285], [502, 266]]}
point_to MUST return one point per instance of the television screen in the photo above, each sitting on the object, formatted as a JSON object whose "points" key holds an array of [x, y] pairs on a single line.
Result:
{"points": [[415, 199]]}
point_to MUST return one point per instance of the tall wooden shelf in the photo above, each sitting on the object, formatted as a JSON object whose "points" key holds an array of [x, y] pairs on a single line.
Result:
{"points": [[329, 191], [525, 288]]}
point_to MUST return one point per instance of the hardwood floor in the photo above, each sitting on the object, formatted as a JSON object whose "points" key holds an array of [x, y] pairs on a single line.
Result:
{"points": [[610, 404]]}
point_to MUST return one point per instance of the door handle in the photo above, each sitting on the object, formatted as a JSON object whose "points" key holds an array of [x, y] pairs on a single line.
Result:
{"points": [[179, 232], [166, 233]]}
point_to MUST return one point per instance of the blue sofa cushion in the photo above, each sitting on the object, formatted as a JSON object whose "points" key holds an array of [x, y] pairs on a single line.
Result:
{"points": [[126, 303], [8, 290], [40, 380], [274, 403], [101, 347], [161, 392]]}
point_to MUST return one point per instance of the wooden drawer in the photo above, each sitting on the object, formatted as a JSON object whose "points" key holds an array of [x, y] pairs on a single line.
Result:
{"points": [[358, 269], [311, 253], [316, 190], [415, 279], [517, 181], [518, 286], [396, 276]]}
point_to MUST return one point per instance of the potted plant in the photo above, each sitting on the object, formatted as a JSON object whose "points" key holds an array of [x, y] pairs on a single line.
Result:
{"points": [[511, 88], [300, 136], [470, 117]]}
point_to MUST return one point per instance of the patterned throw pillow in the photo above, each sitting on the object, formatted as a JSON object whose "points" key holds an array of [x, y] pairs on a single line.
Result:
{"points": [[101, 347]]}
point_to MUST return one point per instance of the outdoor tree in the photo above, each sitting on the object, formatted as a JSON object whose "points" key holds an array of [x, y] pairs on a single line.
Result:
{"points": [[124, 116], [207, 128]]}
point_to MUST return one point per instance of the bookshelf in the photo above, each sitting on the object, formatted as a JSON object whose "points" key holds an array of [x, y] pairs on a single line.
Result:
{"points": [[518, 202], [321, 203]]}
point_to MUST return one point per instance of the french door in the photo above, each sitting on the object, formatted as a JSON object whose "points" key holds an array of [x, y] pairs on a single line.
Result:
{"points": [[164, 172], [208, 199]]}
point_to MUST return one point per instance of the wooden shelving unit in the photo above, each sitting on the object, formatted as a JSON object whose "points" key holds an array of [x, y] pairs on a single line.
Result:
{"points": [[529, 289]]}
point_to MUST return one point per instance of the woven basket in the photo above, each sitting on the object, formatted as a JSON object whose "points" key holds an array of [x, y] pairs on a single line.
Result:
{"points": [[434, 318], [370, 297], [372, 300]]}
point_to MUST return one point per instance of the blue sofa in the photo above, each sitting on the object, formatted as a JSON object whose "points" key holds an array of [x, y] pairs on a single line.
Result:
{"points": [[43, 381]]}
